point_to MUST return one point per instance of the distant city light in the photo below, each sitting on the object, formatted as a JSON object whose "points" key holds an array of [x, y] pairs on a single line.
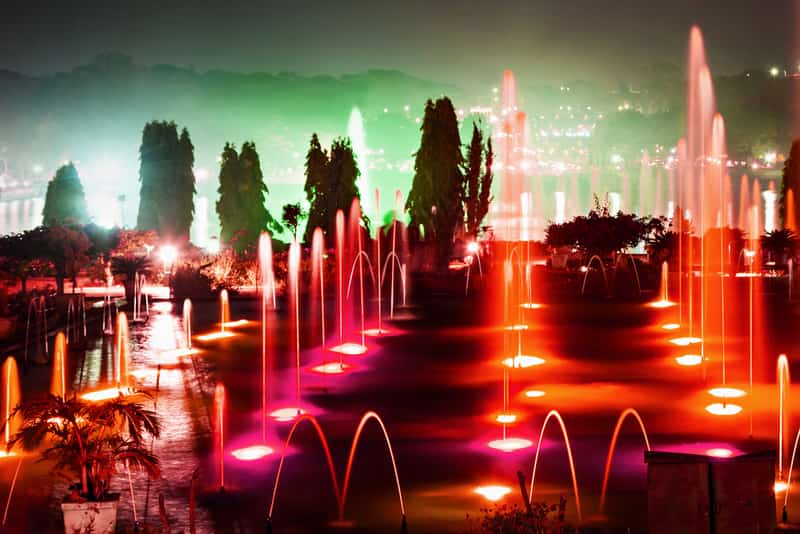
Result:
{"points": [[774, 71]]}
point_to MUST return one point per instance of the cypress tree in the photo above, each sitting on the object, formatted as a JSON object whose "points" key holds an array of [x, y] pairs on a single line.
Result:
{"points": [[166, 195], [437, 191], [242, 213], [316, 174], [65, 201], [791, 180]]}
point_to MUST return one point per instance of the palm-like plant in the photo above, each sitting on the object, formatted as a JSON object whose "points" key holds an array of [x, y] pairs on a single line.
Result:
{"points": [[87, 440], [779, 243], [127, 267]]}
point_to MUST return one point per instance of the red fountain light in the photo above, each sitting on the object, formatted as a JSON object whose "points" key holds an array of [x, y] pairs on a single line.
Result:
{"points": [[506, 418], [349, 349], [283, 415], [726, 392], [252, 453], [534, 393], [332, 368], [492, 493], [685, 341], [670, 326], [523, 361], [689, 360], [719, 452], [723, 408], [510, 444]]}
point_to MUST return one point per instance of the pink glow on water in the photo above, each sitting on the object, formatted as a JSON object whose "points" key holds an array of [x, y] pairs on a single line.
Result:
{"points": [[252, 453], [219, 431], [294, 305], [510, 444]]}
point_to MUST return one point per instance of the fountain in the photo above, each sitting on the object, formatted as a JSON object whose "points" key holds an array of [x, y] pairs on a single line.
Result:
{"points": [[393, 259], [588, 267], [224, 320], [294, 307], [187, 349], [621, 419], [37, 307], [341, 496], [351, 348], [664, 302], [553, 414], [357, 136], [122, 385], [632, 264], [379, 331], [219, 432], [11, 398], [58, 381], [75, 327], [784, 381], [140, 297], [109, 312]]}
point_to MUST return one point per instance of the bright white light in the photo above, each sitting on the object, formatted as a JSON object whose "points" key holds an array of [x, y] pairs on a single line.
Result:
{"points": [[473, 247], [774, 71], [719, 452], [168, 254], [770, 157], [492, 493], [212, 247], [720, 408], [249, 454]]}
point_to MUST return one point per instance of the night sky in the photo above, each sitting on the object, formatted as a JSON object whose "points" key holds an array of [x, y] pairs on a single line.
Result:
{"points": [[455, 42]]}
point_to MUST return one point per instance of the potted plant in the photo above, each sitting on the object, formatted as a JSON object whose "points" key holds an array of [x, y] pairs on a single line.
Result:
{"points": [[87, 441]]}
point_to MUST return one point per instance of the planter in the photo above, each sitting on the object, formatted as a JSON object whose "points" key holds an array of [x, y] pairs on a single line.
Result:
{"points": [[90, 517]]}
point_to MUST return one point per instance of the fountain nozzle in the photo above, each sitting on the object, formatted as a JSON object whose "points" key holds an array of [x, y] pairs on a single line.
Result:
{"points": [[268, 526], [784, 515], [404, 525]]}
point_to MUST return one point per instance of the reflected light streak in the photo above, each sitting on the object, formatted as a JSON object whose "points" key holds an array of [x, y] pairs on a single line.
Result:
{"points": [[534, 393], [720, 408], [685, 341], [523, 361], [286, 414], [252, 453], [670, 326], [349, 349], [719, 452], [506, 418], [233, 324], [104, 394], [510, 444], [661, 304], [212, 336], [726, 393], [530, 306], [331, 368], [689, 360]]}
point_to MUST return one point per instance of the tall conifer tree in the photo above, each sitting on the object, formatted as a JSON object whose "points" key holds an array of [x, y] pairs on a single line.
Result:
{"points": [[65, 201]]}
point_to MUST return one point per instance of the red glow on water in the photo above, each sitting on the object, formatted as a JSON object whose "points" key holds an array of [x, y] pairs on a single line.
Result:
{"points": [[530, 306], [516, 327], [689, 360], [661, 304], [252, 453], [719, 452], [670, 326], [510, 444], [726, 393], [212, 336], [232, 324], [376, 332], [522, 361], [534, 393], [506, 418], [685, 341], [492, 493], [349, 349], [723, 408], [332, 368], [104, 394], [284, 415]]}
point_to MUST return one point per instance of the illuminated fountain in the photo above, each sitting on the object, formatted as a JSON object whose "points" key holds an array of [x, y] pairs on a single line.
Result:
{"points": [[75, 327], [393, 259], [187, 349], [109, 311], [553, 414], [664, 302], [37, 310], [379, 330], [318, 274], [224, 320], [784, 381], [629, 412], [267, 286], [11, 398], [341, 495], [350, 348], [122, 385], [587, 269], [58, 380], [141, 302], [219, 433]]}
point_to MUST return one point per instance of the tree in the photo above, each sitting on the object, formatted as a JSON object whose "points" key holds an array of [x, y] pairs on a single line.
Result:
{"points": [[68, 251], [240, 207], [331, 183], [65, 201], [166, 195], [127, 267], [778, 244], [316, 174], [478, 186], [292, 214], [791, 181], [21, 255], [437, 191]]}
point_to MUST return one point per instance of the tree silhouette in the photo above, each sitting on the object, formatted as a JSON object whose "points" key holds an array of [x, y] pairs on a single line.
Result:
{"points": [[331, 183], [437, 191], [791, 181], [292, 214], [477, 195], [65, 201], [242, 191], [166, 195]]}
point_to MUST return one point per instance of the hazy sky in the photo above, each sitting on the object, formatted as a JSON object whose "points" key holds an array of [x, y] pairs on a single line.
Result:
{"points": [[453, 41]]}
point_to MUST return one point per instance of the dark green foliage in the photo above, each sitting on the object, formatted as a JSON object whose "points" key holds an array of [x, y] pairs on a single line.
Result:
{"points": [[242, 191], [477, 195], [65, 201], [778, 244], [126, 267], [436, 196], [189, 281], [602, 233], [67, 250], [330, 184], [166, 195], [292, 214], [22, 255]]}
